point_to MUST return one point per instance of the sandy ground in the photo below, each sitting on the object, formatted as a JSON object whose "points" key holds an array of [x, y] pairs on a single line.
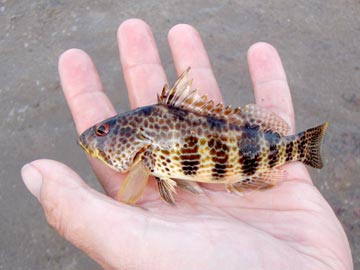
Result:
{"points": [[319, 43]]}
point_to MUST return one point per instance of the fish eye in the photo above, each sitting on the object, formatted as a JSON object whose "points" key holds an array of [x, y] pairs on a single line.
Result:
{"points": [[102, 130]]}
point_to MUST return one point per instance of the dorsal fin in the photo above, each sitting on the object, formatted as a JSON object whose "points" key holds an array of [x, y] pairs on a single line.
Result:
{"points": [[176, 94], [264, 119], [182, 96]]}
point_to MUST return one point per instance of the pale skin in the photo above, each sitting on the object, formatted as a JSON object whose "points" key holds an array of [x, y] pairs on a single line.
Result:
{"points": [[290, 226]]}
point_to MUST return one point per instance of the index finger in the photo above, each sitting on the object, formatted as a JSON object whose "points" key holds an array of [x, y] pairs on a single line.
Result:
{"points": [[83, 90], [188, 50], [143, 72]]}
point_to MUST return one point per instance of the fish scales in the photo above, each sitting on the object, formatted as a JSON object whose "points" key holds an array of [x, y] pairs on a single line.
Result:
{"points": [[186, 139]]}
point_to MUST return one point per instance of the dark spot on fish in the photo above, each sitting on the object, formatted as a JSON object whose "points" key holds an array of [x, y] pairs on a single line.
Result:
{"points": [[193, 157], [124, 121], [250, 165], [190, 159], [190, 162], [215, 122], [273, 156], [249, 151], [301, 147], [255, 127], [189, 170], [178, 114], [196, 122], [289, 150], [272, 138], [191, 140], [189, 150], [220, 156], [222, 160], [218, 171], [247, 125], [147, 110], [211, 143], [165, 128]]}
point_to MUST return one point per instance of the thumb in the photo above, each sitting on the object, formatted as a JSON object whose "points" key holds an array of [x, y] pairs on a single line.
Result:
{"points": [[85, 217]]}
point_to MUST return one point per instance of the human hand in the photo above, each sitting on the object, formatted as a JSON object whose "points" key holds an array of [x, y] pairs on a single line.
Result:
{"points": [[290, 226]]}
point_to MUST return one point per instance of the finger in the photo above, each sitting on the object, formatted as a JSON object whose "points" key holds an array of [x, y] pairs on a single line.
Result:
{"points": [[143, 73], [188, 50], [272, 91], [140, 60], [99, 226], [88, 104], [269, 81], [83, 90]]}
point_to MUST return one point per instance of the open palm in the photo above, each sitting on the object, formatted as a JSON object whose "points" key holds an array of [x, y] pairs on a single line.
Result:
{"points": [[290, 226]]}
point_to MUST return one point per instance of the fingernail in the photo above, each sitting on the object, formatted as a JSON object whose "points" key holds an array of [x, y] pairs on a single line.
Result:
{"points": [[32, 179]]}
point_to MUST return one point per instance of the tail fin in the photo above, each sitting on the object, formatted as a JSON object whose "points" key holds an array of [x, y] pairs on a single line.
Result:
{"points": [[311, 141]]}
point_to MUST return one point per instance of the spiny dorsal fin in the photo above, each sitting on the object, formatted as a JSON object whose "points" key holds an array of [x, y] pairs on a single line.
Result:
{"points": [[182, 96]]}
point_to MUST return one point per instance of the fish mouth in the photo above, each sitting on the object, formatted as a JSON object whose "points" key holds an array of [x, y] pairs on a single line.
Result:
{"points": [[81, 145], [96, 154], [86, 149]]}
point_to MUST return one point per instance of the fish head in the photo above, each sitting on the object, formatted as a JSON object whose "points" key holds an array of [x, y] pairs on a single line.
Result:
{"points": [[114, 141]]}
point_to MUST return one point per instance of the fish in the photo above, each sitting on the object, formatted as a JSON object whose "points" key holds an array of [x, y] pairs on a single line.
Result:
{"points": [[186, 139]]}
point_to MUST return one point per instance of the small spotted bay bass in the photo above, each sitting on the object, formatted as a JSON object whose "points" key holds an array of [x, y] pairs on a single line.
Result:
{"points": [[185, 139]]}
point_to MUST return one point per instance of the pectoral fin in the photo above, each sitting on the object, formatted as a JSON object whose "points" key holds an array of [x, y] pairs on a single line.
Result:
{"points": [[166, 189], [134, 184]]}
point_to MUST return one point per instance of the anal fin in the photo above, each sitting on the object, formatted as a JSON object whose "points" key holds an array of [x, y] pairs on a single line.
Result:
{"points": [[273, 176], [260, 181], [166, 189], [189, 186]]}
